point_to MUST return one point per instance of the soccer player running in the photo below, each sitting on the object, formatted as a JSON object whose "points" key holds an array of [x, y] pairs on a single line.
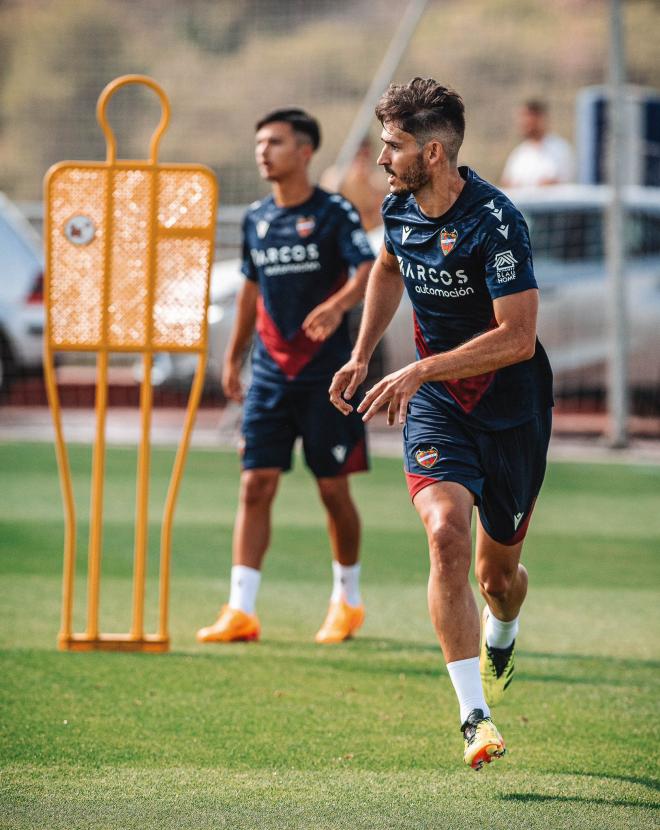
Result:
{"points": [[298, 246], [476, 404]]}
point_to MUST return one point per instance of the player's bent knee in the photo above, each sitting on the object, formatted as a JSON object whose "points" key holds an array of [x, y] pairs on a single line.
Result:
{"points": [[449, 544], [258, 487], [334, 492], [496, 584]]}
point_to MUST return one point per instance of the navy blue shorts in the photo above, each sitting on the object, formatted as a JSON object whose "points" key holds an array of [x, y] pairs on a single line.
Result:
{"points": [[504, 469], [274, 416]]}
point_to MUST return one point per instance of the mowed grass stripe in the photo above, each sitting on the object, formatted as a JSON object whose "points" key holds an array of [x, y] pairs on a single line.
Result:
{"points": [[284, 734], [182, 799]]}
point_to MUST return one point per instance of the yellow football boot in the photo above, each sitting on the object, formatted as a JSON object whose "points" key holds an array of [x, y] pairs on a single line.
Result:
{"points": [[483, 743], [231, 626], [341, 622], [496, 666]]}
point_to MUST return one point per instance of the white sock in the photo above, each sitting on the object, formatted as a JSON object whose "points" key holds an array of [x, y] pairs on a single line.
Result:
{"points": [[244, 586], [500, 634], [466, 679], [346, 583]]}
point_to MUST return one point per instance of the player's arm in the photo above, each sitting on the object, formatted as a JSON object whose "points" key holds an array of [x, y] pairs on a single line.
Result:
{"points": [[324, 320], [511, 341], [239, 340], [383, 296]]}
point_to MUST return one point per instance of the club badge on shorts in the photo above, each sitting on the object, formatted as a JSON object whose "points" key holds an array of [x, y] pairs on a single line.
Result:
{"points": [[305, 225], [448, 237], [427, 457]]}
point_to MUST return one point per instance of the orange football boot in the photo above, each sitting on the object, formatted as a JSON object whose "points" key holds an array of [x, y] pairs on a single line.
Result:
{"points": [[342, 622], [482, 742], [231, 626]]}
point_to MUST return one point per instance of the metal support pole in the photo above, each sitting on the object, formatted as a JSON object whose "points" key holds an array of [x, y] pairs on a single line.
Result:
{"points": [[383, 76], [615, 238]]}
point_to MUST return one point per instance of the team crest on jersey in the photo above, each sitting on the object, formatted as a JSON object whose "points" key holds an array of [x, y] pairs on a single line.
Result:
{"points": [[262, 228], [305, 225], [427, 457], [448, 237]]}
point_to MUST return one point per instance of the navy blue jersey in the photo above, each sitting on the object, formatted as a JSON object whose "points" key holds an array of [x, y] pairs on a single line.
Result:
{"points": [[300, 256], [453, 267]]}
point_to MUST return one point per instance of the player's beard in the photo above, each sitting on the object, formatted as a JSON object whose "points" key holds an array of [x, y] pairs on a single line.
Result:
{"points": [[414, 178]]}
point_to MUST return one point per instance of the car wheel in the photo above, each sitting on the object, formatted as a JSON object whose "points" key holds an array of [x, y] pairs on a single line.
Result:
{"points": [[7, 366]]}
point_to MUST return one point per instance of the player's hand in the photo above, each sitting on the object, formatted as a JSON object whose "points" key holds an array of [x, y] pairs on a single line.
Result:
{"points": [[231, 381], [322, 321], [395, 390], [345, 383]]}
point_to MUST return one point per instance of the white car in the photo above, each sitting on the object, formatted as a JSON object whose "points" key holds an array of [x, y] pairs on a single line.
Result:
{"points": [[567, 227], [567, 230], [21, 295]]}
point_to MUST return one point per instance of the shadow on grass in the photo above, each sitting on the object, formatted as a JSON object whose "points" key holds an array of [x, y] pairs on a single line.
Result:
{"points": [[617, 662], [352, 649], [588, 680], [397, 657], [537, 798], [650, 783]]}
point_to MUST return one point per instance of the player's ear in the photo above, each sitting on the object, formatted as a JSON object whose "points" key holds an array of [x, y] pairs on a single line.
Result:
{"points": [[435, 152], [307, 151]]}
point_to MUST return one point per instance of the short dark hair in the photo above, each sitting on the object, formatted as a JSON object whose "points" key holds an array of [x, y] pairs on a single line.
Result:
{"points": [[426, 110], [302, 123], [536, 105]]}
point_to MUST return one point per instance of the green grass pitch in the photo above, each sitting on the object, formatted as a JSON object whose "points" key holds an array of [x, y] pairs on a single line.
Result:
{"points": [[287, 734]]}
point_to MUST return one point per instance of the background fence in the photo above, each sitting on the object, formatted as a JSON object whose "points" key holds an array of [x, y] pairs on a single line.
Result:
{"points": [[224, 64]]}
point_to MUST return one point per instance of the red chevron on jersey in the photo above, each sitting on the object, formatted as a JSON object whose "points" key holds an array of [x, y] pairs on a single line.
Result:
{"points": [[290, 355], [467, 392], [294, 354]]}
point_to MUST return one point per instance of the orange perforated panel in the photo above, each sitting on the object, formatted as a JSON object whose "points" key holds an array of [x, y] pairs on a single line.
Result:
{"points": [[76, 210], [180, 296], [132, 197], [184, 199], [149, 290]]}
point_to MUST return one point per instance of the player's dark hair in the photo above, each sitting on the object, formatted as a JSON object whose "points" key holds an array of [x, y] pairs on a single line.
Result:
{"points": [[536, 105], [302, 123], [426, 110]]}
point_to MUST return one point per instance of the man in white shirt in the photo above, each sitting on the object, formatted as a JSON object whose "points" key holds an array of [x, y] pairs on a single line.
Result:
{"points": [[542, 158]]}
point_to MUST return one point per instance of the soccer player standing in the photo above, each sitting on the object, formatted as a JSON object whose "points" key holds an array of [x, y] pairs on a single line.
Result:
{"points": [[298, 246], [477, 403]]}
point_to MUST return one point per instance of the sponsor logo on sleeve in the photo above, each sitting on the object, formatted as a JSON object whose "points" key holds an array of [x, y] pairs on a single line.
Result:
{"points": [[505, 266], [448, 237], [305, 225], [427, 457]]}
